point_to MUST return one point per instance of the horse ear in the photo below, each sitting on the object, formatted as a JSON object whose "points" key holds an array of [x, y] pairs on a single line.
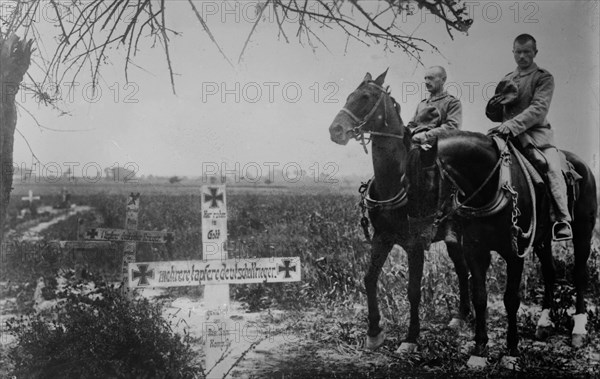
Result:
{"points": [[381, 78], [367, 78]]}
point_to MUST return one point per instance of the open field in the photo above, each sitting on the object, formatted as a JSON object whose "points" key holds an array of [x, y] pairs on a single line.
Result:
{"points": [[327, 310]]}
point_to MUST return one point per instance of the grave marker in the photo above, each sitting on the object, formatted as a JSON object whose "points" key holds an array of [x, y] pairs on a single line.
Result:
{"points": [[216, 272], [30, 198], [130, 236]]}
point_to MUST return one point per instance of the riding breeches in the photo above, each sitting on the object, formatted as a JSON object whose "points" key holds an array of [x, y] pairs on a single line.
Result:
{"points": [[550, 159]]}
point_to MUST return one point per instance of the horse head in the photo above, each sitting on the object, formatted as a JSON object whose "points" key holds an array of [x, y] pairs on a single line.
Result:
{"points": [[369, 109]]}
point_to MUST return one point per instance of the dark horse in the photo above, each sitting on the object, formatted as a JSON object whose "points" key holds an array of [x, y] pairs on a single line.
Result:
{"points": [[370, 109], [464, 175], [494, 214]]}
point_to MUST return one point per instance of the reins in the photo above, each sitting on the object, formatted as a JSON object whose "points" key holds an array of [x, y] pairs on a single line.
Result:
{"points": [[504, 157], [366, 202], [359, 132]]}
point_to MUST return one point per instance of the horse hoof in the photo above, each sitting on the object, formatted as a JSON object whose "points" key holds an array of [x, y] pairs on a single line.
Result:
{"points": [[543, 332], [456, 323], [477, 362], [372, 343], [510, 363], [578, 340], [407, 348]]}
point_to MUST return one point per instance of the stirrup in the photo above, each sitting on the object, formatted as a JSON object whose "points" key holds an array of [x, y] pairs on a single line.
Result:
{"points": [[568, 232]]}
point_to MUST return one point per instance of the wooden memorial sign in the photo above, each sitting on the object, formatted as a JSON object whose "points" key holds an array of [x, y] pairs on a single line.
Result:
{"points": [[214, 273], [214, 270]]}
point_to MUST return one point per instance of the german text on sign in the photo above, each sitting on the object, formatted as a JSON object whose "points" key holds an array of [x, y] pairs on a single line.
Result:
{"points": [[231, 271], [106, 234]]}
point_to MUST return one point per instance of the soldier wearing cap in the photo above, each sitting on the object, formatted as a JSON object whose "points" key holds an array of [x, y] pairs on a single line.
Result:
{"points": [[521, 103], [438, 113]]}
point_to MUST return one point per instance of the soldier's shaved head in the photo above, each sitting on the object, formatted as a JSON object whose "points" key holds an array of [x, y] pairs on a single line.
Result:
{"points": [[435, 77], [440, 70], [522, 39], [524, 51]]}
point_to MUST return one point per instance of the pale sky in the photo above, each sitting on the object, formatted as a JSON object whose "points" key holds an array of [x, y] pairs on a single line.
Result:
{"points": [[276, 106]]}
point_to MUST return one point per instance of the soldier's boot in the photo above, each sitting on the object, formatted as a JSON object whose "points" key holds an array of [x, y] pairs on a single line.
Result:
{"points": [[561, 230]]}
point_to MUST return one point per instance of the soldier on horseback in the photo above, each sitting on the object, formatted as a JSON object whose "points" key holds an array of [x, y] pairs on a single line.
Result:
{"points": [[439, 113], [521, 102]]}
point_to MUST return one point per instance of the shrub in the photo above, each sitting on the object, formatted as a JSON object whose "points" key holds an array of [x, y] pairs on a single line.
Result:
{"points": [[100, 335]]}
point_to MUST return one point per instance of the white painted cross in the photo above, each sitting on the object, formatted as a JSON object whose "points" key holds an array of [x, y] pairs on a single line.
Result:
{"points": [[30, 198], [216, 272]]}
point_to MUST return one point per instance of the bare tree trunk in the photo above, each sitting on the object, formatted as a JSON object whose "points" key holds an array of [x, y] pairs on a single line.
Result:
{"points": [[15, 56]]}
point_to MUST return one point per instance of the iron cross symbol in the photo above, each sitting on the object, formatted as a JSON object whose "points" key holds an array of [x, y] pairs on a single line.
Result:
{"points": [[287, 268], [133, 198], [91, 234], [213, 197], [143, 274], [168, 238]]}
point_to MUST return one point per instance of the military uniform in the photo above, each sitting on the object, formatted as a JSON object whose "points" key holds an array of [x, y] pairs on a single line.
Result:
{"points": [[438, 113], [435, 115], [525, 116]]}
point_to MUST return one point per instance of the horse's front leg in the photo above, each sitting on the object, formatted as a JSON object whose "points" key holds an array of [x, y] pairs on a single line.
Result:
{"points": [[415, 273], [462, 271], [512, 301], [382, 244], [478, 260]]}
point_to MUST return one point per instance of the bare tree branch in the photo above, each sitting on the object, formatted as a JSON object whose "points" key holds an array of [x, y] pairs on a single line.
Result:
{"points": [[95, 27], [208, 32]]}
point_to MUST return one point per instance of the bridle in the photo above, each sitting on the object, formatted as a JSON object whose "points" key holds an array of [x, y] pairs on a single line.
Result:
{"points": [[358, 131]]}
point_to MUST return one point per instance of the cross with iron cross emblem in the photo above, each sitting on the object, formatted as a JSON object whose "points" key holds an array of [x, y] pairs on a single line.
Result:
{"points": [[133, 198], [213, 197], [287, 268], [91, 234], [143, 274]]}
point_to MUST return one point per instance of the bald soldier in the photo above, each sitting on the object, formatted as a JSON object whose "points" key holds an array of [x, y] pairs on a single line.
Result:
{"points": [[521, 103], [438, 113]]}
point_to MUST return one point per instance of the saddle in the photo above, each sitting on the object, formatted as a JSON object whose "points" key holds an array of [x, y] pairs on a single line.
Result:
{"points": [[572, 177], [506, 192]]}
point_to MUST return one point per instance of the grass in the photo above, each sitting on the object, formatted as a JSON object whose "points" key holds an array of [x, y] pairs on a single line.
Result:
{"points": [[322, 229]]}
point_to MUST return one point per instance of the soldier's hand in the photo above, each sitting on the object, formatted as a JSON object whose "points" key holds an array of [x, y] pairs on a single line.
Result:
{"points": [[496, 100], [420, 138], [501, 129]]}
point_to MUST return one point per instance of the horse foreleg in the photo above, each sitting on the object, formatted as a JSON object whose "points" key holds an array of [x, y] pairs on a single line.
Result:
{"points": [[416, 258], [462, 271], [544, 324], [478, 260], [512, 300], [379, 253]]}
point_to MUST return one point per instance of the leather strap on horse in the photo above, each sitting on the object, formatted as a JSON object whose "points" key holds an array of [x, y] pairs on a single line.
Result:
{"points": [[504, 195], [367, 202], [530, 234], [359, 132], [494, 206]]}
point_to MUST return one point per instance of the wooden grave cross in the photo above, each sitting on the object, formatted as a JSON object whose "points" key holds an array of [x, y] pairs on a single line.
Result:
{"points": [[30, 197], [130, 236], [216, 272]]}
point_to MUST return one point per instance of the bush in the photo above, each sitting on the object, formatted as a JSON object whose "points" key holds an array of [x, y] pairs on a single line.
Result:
{"points": [[100, 335]]}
